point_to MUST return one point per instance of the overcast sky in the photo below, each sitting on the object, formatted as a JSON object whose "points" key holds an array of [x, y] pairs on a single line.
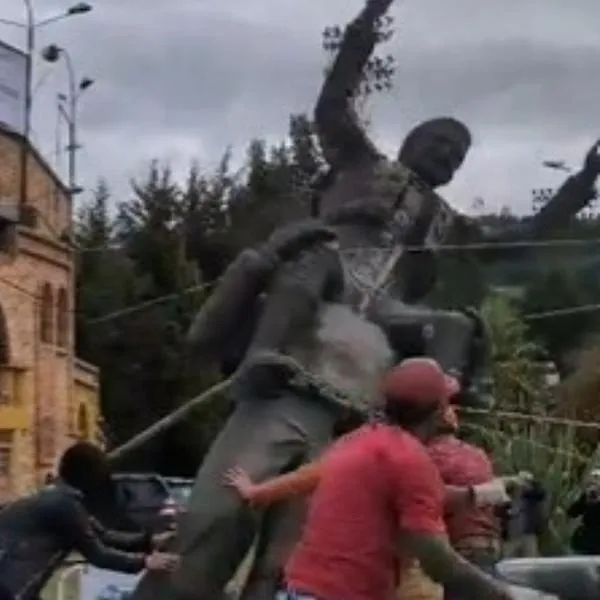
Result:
{"points": [[183, 79]]}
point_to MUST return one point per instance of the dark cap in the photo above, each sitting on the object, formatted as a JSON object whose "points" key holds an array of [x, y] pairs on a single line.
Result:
{"points": [[419, 382]]}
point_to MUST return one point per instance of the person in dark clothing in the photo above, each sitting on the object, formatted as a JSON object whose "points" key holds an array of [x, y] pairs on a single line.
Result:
{"points": [[586, 538], [525, 518], [39, 531]]}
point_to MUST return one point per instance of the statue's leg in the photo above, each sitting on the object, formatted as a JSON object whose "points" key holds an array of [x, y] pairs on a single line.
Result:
{"points": [[280, 530], [263, 436]]}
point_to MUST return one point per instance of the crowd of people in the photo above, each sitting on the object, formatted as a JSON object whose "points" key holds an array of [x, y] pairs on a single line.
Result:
{"points": [[396, 498], [400, 503]]}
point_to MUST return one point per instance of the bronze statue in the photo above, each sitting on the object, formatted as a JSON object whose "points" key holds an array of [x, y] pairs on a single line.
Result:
{"points": [[313, 293]]}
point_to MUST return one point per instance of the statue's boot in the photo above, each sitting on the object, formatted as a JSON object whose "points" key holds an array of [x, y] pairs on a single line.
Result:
{"points": [[265, 437]]}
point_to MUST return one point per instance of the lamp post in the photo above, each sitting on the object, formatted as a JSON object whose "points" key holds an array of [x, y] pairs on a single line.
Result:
{"points": [[67, 107], [31, 25]]}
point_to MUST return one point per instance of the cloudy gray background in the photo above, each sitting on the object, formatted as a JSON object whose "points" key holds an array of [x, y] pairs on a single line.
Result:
{"points": [[183, 79]]}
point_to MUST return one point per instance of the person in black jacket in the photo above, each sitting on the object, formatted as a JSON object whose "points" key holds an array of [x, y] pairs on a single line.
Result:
{"points": [[39, 531], [586, 538]]}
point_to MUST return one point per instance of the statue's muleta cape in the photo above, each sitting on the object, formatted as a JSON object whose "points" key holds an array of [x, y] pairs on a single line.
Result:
{"points": [[343, 359]]}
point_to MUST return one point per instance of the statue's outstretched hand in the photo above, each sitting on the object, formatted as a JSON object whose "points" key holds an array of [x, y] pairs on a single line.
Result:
{"points": [[238, 479], [591, 164], [377, 8], [288, 241]]}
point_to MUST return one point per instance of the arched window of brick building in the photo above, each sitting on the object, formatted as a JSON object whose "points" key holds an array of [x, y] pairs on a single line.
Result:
{"points": [[83, 423], [4, 346], [46, 314], [62, 318]]}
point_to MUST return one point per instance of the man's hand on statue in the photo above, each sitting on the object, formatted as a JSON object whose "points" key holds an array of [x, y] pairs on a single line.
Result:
{"points": [[161, 561], [159, 540], [492, 493], [240, 481], [288, 241], [515, 482], [592, 160]]}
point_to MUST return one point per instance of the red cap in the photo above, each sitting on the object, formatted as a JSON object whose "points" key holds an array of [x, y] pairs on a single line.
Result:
{"points": [[419, 381]]}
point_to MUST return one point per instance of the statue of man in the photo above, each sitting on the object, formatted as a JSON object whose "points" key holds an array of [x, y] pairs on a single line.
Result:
{"points": [[300, 295], [364, 187]]}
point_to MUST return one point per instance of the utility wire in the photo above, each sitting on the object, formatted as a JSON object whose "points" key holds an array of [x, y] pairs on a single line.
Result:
{"points": [[557, 243], [559, 312], [147, 304]]}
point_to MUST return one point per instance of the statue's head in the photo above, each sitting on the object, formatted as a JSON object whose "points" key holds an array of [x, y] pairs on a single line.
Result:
{"points": [[435, 149]]}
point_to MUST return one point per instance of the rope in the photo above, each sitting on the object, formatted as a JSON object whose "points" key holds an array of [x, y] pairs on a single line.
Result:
{"points": [[532, 418], [171, 419], [511, 437]]}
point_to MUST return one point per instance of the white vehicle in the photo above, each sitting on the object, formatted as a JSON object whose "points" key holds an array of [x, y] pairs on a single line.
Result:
{"points": [[558, 578]]}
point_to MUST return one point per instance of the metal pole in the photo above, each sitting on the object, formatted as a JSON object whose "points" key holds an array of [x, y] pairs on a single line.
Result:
{"points": [[72, 122], [28, 104], [73, 147]]}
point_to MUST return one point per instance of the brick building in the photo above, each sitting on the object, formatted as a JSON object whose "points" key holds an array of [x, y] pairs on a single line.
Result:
{"points": [[48, 397]]}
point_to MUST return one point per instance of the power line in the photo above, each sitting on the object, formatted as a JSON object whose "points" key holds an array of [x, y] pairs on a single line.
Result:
{"points": [[568, 310], [559, 312], [148, 303], [558, 243]]}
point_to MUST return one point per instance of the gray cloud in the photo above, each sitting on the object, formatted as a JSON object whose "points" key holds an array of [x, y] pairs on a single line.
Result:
{"points": [[187, 78]]}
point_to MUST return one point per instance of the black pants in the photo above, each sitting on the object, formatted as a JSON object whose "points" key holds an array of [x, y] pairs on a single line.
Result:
{"points": [[5, 594]]}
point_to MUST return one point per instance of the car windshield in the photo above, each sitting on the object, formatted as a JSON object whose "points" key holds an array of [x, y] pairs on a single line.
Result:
{"points": [[180, 493]]}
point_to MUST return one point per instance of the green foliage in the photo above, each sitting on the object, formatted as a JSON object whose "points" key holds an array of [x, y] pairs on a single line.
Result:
{"points": [[548, 452], [516, 369], [156, 252], [529, 442], [553, 290]]}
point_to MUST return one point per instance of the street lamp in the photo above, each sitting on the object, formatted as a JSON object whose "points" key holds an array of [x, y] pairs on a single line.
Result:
{"points": [[31, 25], [52, 54]]}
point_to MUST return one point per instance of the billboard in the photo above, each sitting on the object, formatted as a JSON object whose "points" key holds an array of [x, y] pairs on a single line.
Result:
{"points": [[13, 67]]}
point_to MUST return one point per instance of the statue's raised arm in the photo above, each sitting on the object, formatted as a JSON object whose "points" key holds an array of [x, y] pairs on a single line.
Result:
{"points": [[573, 195], [341, 135]]}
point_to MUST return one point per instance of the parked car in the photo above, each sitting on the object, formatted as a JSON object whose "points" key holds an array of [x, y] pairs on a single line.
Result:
{"points": [[151, 500]]}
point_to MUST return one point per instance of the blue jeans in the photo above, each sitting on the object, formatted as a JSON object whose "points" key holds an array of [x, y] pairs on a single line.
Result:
{"points": [[287, 594]]}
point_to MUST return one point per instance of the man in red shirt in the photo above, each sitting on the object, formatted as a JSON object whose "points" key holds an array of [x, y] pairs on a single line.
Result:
{"points": [[473, 532], [379, 498]]}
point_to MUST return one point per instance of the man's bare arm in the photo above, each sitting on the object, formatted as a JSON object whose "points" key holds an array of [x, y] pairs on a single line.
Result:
{"points": [[457, 496], [491, 493], [343, 139], [442, 564]]}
